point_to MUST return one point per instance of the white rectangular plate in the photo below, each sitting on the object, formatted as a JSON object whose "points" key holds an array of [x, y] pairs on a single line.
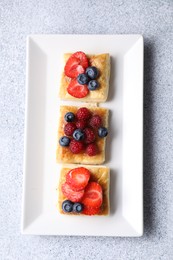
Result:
{"points": [[124, 151]]}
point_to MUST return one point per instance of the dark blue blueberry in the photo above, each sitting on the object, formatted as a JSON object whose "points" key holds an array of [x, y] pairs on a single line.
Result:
{"points": [[67, 206], [93, 84], [77, 207], [102, 132], [69, 117], [78, 135], [92, 72], [82, 79], [64, 141]]}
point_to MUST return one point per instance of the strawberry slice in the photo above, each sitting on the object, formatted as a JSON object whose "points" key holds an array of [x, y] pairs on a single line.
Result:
{"points": [[76, 64], [82, 57], [74, 196], [73, 68], [77, 90], [78, 178], [90, 211], [93, 196]]}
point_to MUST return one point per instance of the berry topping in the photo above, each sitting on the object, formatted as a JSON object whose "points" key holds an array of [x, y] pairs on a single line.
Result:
{"points": [[64, 141], [83, 60], [78, 135], [76, 146], [89, 135], [74, 196], [73, 67], [77, 207], [69, 117], [95, 121], [83, 113], [76, 90], [81, 124], [92, 149], [90, 211], [78, 178], [93, 196], [67, 206], [93, 84], [69, 128], [82, 79], [92, 72], [102, 132]]}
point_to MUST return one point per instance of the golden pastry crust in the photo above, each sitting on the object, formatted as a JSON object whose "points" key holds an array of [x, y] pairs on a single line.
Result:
{"points": [[102, 62], [64, 155], [98, 174]]}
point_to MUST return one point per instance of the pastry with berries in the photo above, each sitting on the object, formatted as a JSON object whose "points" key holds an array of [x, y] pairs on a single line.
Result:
{"points": [[82, 135], [85, 77], [84, 190]]}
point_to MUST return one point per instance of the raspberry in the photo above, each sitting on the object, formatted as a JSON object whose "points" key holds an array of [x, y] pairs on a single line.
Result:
{"points": [[89, 135], [76, 146], [92, 149], [69, 129], [81, 124], [95, 121], [83, 113]]}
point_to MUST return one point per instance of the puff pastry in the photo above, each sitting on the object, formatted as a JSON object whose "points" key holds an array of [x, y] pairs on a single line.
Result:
{"points": [[64, 155], [102, 62], [98, 174]]}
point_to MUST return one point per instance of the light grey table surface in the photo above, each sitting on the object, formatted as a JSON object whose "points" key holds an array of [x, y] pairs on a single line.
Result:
{"points": [[153, 19]]}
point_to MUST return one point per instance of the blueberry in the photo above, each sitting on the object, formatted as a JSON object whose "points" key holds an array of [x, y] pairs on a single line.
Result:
{"points": [[69, 117], [64, 141], [78, 135], [92, 72], [82, 79], [77, 207], [102, 132], [67, 206], [93, 84]]}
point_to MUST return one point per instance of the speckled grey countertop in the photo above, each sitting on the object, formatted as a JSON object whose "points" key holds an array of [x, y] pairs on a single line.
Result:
{"points": [[153, 19]]}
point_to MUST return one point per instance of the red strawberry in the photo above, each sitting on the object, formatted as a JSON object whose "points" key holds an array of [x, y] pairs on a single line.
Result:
{"points": [[90, 211], [89, 135], [76, 146], [69, 129], [92, 149], [83, 113], [77, 90], [78, 178], [81, 124], [82, 57], [70, 194], [93, 196], [95, 121], [73, 68]]}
